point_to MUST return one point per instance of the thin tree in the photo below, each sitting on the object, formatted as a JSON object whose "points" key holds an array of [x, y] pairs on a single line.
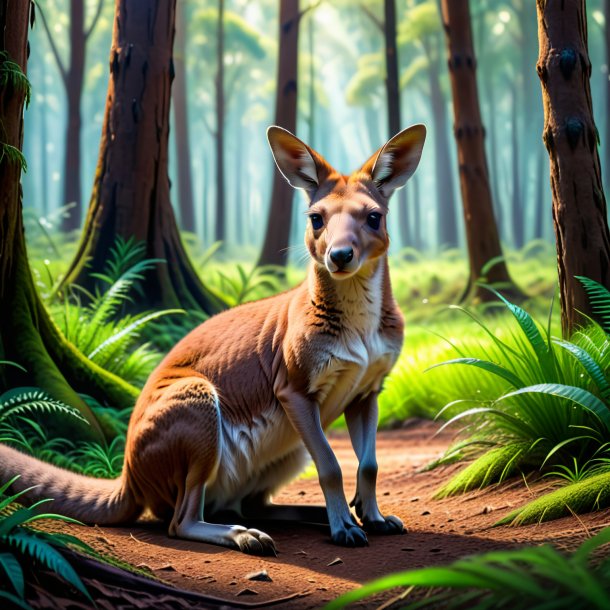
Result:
{"points": [[570, 137], [277, 235], [183, 148], [484, 249], [131, 188], [27, 335], [219, 134], [72, 76]]}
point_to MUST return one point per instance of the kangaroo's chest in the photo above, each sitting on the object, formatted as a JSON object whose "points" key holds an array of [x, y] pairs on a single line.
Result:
{"points": [[354, 365]]}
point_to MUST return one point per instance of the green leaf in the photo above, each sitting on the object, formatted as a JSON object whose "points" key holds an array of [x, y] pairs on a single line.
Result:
{"points": [[589, 364], [13, 570], [43, 552], [579, 396], [490, 367]]}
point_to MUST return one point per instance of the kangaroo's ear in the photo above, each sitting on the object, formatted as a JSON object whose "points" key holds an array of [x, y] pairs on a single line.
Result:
{"points": [[302, 166], [396, 161]]}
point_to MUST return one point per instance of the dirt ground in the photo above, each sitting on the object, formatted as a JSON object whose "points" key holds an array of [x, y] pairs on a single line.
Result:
{"points": [[315, 571]]}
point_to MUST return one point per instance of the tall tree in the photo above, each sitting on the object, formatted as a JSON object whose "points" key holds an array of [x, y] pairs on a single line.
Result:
{"points": [[481, 229], [28, 337], [72, 76], [183, 148], [219, 82], [422, 29], [131, 188], [570, 136], [277, 235], [606, 171]]}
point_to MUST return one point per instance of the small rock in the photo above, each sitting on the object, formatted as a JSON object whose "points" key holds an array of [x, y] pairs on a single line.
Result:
{"points": [[312, 580], [336, 561], [386, 493], [261, 576], [168, 567], [450, 520], [426, 512], [246, 592], [408, 548], [488, 509], [416, 499], [322, 589], [302, 493], [144, 566]]}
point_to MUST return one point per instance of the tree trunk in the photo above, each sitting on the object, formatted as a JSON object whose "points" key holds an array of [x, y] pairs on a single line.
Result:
{"points": [[28, 337], [131, 188], [540, 208], [183, 148], [74, 89], [391, 66], [220, 229], [570, 136], [446, 221], [276, 241], [517, 207], [481, 230], [606, 174]]}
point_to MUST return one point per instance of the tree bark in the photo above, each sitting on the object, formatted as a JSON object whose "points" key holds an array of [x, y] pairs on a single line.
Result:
{"points": [[606, 168], [481, 229], [277, 235], [220, 228], [540, 209], [28, 337], [131, 189], [183, 147], [571, 139]]}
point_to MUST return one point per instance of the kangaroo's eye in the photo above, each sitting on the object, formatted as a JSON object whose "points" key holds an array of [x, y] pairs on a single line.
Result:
{"points": [[373, 220], [317, 222]]}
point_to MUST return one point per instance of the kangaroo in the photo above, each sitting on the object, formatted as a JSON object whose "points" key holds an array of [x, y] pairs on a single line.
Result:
{"points": [[236, 408]]}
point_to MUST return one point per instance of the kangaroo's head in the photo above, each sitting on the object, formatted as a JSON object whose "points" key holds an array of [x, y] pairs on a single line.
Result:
{"points": [[347, 214]]}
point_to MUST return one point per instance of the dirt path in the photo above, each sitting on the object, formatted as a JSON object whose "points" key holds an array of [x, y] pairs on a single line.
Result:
{"points": [[309, 565]]}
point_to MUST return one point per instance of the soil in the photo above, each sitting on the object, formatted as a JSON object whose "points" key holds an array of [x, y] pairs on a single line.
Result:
{"points": [[311, 569]]}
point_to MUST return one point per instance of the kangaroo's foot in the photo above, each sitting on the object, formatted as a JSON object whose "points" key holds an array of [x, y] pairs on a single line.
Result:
{"points": [[375, 522], [250, 541]]}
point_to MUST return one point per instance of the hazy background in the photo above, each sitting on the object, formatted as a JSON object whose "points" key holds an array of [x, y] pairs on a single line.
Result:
{"points": [[342, 110]]}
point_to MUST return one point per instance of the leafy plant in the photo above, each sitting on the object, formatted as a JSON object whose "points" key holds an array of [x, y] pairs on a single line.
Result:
{"points": [[242, 286], [100, 461], [101, 329], [533, 578], [550, 412], [22, 547]]}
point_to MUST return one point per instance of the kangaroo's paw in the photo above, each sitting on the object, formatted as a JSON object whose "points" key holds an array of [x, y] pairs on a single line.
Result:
{"points": [[254, 542], [349, 535], [390, 525]]}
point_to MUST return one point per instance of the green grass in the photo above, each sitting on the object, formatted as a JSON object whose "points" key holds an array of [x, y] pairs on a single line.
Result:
{"points": [[536, 578]]}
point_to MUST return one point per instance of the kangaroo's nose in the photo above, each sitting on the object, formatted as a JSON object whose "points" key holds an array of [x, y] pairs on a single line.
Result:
{"points": [[341, 256]]}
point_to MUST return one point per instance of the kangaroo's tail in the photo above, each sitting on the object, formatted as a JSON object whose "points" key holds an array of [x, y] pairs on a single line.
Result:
{"points": [[87, 499]]}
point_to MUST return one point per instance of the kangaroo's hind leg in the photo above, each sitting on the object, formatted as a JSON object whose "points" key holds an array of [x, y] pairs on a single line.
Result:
{"points": [[175, 450]]}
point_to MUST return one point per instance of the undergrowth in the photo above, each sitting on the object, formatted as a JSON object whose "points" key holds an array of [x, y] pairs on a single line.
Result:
{"points": [[535, 578]]}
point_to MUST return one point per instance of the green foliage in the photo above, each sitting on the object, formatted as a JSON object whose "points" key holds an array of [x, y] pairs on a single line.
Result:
{"points": [[242, 285], [13, 155], [421, 21], [25, 548], [533, 578], [13, 79], [100, 461], [365, 85], [590, 493], [599, 297], [101, 329], [548, 412], [240, 36]]}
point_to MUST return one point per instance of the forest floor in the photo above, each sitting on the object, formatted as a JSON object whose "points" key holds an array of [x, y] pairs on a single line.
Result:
{"points": [[314, 571]]}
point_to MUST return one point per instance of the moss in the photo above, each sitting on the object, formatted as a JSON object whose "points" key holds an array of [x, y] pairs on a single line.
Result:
{"points": [[492, 467], [585, 496]]}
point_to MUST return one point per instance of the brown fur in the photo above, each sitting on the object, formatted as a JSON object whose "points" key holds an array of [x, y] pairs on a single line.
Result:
{"points": [[233, 407]]}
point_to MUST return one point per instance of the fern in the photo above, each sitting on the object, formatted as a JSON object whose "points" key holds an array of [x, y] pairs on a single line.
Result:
{"points": [[13, 77], [599, 297], [22, 401]]}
